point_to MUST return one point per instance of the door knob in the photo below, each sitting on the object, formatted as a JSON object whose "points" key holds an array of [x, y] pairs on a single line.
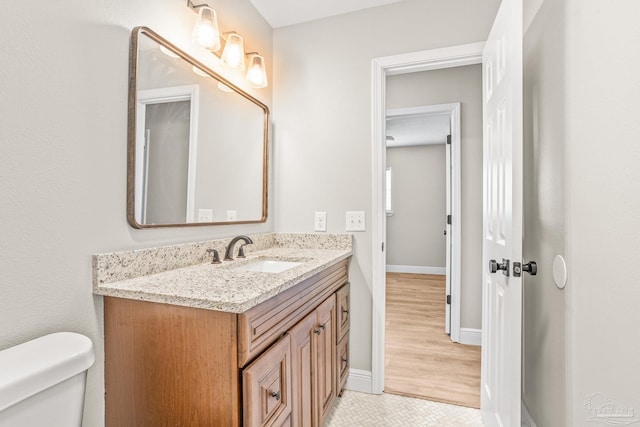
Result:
{"points": [[531, 267], [494, 266]]}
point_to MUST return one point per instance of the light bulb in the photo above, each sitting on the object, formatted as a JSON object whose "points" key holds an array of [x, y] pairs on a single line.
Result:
{"points": [[205, 32], [256, 74], [233, 53]]}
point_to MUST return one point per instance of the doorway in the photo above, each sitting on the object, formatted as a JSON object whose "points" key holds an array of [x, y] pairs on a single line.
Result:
{"points": [[423, 198], [382, 68], [423, 250]]}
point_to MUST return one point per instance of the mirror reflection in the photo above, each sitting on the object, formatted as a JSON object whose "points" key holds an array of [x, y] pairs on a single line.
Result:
{"points": [[197, 143]]}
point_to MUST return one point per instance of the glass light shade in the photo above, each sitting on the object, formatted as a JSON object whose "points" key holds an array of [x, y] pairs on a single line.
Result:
{"points": [[257, 74], [223, 87], [205, 32], [233, 53], [199, 72], [168, 52]]}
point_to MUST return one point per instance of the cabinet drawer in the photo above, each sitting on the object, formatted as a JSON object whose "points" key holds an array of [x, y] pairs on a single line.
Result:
{"points": [[267, 387], [342, 357], [263, 324], [343, 311]]}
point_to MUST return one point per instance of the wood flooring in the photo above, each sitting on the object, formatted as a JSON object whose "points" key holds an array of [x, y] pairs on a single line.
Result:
{"points": [[420, 358]]}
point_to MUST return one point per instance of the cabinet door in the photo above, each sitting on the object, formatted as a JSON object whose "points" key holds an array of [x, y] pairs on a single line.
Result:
{"points": [[267, 387], [342, 354], [325, 340], [302, 362], [343, 311]]}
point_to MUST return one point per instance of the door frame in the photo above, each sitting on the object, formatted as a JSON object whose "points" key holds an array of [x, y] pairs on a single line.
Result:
{"points": [[162, 96], [453, 266], [434, 59]]}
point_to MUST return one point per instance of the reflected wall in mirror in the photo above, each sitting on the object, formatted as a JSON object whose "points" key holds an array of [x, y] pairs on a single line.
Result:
{"points": [[197, 144]]}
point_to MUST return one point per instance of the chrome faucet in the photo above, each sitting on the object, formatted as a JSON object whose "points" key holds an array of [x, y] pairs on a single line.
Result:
{"points": [[228, 254]]}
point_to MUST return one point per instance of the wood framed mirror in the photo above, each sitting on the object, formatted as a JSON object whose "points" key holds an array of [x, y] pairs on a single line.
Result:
{"points": [[197, 144]]}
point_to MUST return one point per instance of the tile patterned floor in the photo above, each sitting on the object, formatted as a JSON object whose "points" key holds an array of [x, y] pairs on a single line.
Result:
{"points": [[355, 409]]}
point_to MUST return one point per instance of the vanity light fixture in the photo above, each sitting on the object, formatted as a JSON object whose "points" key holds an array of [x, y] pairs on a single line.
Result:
{"points": [[168, 52], [206, 34], [257, 74], [199, 72], [223, 87], [233, 53]]}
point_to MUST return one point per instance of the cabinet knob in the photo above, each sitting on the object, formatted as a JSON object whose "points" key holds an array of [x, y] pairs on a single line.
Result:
{"points": [[319, 330], [276, 394], [345, 311]]}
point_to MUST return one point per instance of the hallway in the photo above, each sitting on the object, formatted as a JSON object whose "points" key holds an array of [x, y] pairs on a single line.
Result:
{"points": [[420, 359]]}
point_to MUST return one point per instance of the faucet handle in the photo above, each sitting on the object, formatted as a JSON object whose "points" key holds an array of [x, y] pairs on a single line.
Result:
{"points": [[216, 256], [241, 252]]}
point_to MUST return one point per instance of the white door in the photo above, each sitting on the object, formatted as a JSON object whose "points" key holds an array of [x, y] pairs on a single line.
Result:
{"points": [[447, 232], [502, 218]]}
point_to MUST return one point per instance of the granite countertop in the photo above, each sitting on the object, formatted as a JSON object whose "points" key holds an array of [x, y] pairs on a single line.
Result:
{"points": [[225, 287]]}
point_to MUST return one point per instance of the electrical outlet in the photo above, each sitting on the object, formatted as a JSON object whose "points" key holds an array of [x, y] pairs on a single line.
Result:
{"points": [[232, 215], [320, 223], [355, 221], [205, 215]]}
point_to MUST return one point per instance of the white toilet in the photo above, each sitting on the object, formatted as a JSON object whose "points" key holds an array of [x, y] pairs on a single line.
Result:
{"points": [[42, 381]]}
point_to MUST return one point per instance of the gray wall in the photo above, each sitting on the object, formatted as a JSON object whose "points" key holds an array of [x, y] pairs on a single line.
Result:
{"points": [[464, 85], [414, 231], [322, 119], [63, 127], [602, 203], [544, 214]]}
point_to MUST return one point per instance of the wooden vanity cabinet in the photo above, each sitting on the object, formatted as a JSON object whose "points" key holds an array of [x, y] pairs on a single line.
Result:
{"points": [[342, 346], [267, 387], [277, 364], [314, 365]]}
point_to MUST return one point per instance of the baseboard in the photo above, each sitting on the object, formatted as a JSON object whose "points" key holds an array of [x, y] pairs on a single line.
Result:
{"points": [[359, 380], [527, 421], [470, 336], [416, 269]]}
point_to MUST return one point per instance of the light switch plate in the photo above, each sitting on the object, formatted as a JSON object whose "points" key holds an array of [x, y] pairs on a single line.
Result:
{"points": [[355, 221], [205, 215], [320, 223], [232, 215]]}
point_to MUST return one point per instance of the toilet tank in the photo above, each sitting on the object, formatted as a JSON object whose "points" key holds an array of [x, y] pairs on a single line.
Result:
{"points": [[42, 381]]}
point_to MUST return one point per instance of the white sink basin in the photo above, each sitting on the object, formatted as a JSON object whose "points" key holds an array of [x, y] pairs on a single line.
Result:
{"points": [[269, 266]]}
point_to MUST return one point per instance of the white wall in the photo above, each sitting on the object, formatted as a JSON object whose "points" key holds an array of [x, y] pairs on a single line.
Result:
{"points": [[418, 193], [63, 130], [322, 118], [449, 85], [603, 205], [544, 213]]}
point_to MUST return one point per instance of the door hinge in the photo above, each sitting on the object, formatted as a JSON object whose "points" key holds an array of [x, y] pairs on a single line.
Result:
{"points": [[449, 299], [382, 246], [448, 139], [449, 219]]}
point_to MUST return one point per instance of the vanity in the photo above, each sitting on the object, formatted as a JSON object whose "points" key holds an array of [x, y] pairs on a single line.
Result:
{"points": [[261, 340], [226, 345]]}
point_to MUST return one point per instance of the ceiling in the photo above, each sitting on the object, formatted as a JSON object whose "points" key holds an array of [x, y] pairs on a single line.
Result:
{"points": [[423, 129], [280, 13]]}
